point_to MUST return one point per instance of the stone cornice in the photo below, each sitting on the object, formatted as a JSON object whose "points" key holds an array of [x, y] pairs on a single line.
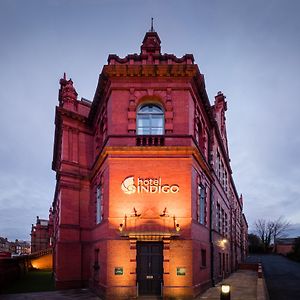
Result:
{"points": [[71, 114], [158, 58], [146, 152], [98, 101], [150, 70]]}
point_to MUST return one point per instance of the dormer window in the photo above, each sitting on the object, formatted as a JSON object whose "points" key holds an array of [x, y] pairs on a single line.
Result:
{"points": [[150, 120]]}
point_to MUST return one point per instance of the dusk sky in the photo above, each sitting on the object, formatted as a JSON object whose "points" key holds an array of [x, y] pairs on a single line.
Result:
{"points": [[249, 50]]}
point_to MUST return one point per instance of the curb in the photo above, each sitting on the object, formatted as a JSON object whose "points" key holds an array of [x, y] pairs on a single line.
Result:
{"points": [[262, 291]]}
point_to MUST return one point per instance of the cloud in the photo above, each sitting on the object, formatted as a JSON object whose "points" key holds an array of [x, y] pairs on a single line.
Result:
{"points": [[21, 200], [249, 51]]}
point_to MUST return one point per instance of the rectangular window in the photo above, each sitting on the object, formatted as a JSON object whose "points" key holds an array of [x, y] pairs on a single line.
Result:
{"points": [[226, 182], [226, 225], [96, 260], [219, 226], [220, 263], [99, 204], [201, 205], [223, 222], [196, 131], [227, 262], [222, 177], [203, 258], [218, 164]]}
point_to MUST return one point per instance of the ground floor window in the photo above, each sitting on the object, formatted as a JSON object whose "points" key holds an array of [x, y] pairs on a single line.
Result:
{"points": [[220, 263], [203, 258], [227, 265]]}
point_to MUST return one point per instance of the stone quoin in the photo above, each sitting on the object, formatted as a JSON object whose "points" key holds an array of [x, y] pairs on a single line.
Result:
{"points": [[145, 202]]}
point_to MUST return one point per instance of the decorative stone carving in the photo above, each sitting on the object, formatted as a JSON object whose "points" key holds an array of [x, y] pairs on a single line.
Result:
{"points": [[67, 92]]}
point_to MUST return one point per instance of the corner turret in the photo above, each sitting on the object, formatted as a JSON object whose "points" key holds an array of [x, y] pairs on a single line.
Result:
{"points": [[151, 43], [220, 107], [67, 96]]}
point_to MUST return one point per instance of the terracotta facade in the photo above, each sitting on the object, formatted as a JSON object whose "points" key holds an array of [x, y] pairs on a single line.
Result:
{"points": [[41, 234], [145, 202]]}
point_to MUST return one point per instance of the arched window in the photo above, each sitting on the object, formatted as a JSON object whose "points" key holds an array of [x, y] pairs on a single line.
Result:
{"points": [[150, 120]]}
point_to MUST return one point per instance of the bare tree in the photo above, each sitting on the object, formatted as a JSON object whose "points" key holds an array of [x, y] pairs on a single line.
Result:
{"points": [[261, 228], [280, 226], [269, 231]]}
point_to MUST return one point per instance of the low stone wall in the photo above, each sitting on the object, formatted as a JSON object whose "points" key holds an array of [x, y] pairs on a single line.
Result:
{"points": [[248, 266]]}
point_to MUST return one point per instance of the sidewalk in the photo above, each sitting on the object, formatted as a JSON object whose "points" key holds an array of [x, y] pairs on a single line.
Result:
{"points": [[82, 294], [243, 287]]}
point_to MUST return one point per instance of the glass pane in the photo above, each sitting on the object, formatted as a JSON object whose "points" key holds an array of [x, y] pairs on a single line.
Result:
{"points": [[150, 109], [143, 131], [157, 131], [157, 121], [143, 121], [145, 109], [156, 109]]}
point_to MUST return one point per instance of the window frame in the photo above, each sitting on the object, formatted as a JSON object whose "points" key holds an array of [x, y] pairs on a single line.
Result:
{"points": [[201, 204], [99, 204], [151, 117], [203, 258]]}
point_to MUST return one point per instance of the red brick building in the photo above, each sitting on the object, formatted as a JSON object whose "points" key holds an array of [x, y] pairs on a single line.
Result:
{"points": [[41, 234], [284, 245], [145, 202]]}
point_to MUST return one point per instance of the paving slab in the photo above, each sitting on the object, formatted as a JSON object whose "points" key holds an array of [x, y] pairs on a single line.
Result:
{"points": [[243, 287], [83, 294]]}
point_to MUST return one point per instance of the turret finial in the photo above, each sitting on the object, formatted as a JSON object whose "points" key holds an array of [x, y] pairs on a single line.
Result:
{"points": [[152, 29]]}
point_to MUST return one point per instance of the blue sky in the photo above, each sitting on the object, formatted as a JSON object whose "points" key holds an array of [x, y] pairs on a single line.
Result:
{"points": [[247, 49]]}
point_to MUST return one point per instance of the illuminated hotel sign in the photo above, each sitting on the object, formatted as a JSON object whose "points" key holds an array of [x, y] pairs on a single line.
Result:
{"points": [[147, 185]]}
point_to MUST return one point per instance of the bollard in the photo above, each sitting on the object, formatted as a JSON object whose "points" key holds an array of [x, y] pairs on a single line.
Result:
{"points": [[225, 292], [259, 271]]}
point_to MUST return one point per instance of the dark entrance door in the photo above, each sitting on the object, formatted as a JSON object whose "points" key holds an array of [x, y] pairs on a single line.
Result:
{"points": [[149, 267]]}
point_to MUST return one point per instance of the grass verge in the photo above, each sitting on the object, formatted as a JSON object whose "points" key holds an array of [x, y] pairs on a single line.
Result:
{"points": [[32, 281]]}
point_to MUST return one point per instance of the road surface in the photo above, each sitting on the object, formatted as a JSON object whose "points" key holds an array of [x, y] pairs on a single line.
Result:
{"points": [[282, 276]]}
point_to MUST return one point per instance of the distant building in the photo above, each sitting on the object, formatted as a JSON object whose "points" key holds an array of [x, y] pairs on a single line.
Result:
{"points": [[21, 247], [18, 247], [145, 202], [41, 234], [284, 245], [5, 247]]}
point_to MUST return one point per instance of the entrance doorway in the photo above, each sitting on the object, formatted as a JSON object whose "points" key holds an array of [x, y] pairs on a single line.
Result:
{"points": [[149, 267]]}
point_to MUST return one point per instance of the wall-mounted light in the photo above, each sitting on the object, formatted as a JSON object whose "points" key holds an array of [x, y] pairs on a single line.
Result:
{"points": [[222, 243], [135, 213], [164, 213], [123, 225], [176, 225], [225, 292]]}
